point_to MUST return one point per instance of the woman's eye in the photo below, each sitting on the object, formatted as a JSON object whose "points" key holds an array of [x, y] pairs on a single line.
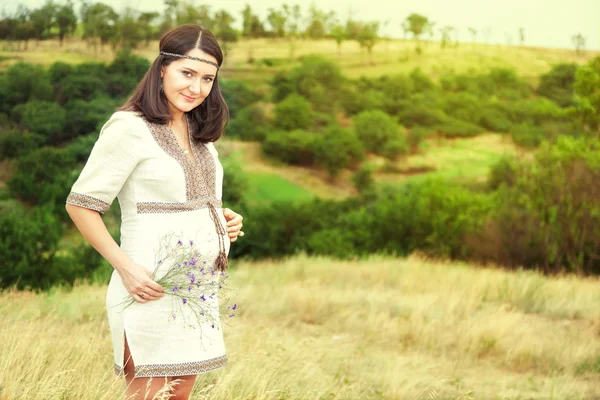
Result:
{"points": [[208, 79], [187, 73]]}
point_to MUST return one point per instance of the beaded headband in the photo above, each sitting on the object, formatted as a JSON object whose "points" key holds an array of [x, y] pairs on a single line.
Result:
{"points": [[164, 53]]}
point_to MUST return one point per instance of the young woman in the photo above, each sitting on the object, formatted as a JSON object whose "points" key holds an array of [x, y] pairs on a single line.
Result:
{"points": [[157, 156]]}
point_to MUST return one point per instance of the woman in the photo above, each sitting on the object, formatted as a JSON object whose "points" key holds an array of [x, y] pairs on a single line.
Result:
{"points": [[157, 156]]}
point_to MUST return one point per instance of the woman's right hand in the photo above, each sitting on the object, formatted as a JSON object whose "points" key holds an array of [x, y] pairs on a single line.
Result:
{"points": [[138, 282]]}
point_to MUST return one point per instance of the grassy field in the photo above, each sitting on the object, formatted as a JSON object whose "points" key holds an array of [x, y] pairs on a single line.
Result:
{"points": [[466, 160], [313, 328], [388, 57]]}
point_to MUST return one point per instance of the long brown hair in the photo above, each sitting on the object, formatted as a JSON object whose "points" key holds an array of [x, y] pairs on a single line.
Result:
{"points": [[210, 118]]}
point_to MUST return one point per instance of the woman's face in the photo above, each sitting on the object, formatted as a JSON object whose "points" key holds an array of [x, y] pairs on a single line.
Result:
{"points": [[186, 83]]}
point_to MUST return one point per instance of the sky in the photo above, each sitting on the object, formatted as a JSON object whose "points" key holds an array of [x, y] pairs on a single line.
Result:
{"points": [[547, 23]]}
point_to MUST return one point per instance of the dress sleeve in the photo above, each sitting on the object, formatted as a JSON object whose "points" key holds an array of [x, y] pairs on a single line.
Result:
{"points": [[114, 156]]}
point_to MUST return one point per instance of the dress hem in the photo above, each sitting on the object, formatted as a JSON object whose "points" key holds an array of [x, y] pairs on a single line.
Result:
{"points": [[178, 369]]}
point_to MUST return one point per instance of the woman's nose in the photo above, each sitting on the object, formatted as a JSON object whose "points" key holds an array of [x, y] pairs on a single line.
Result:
{"points": [[195, 86]]}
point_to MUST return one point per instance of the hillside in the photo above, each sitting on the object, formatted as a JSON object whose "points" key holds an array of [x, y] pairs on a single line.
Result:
{"points": [[311, 328], [388, 57]]}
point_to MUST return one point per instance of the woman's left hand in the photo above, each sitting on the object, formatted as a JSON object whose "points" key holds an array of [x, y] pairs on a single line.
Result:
{"points": [[234, 224]]}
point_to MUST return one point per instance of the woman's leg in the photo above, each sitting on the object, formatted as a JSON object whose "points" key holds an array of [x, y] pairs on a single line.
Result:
{"points": [[139, 388], [184, 386]]}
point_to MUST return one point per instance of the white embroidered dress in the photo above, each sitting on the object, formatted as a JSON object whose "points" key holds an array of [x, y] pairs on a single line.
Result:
{"points": [[160, 190]]}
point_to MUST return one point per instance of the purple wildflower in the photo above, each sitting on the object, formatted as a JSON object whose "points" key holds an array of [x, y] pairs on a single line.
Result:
{"points": [[184, 301], [234, 307], [175, 288], [213, 325], [189, 288], [203, 298], [191, 243], [179, 243]]}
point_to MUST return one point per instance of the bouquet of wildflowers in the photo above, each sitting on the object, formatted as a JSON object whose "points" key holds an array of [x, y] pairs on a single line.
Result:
{"points": [[198, 288]]}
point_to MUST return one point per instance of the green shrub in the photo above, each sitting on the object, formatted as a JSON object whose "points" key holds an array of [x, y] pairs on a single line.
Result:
{"points": [[81, 147], [504, 172], [83, 117], [128, 64], [494, 120], [375, 129], [355, 101], [250, 124], [421, 116], [457, 128], [550, 217], [557, 84], [46, 118], [415, 137], [22, 82], [528, 135], [294, 112], [318, 79], [235, 183], [363, 179], [43, 177], [81, 87], [420, 81], [238, 94], [395, 147], [463, 106], [29, 241], [15, 144], [338, 148], [295, 147], [58, 71]]}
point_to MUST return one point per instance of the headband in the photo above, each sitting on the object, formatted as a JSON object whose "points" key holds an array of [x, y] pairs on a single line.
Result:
{"points": [[164, 53]]}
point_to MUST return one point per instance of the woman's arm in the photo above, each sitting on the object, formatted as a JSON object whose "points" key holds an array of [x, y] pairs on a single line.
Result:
{"points": [[137, 279]]}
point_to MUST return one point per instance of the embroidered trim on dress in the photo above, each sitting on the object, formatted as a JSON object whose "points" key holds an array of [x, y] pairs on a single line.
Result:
{"points": [[83, 200], [200, 181], [200, 174], [166, 208], [181, 369]]}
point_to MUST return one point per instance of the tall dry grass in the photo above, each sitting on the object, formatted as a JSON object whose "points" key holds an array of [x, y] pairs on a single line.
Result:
{"points": [[313, 328]]}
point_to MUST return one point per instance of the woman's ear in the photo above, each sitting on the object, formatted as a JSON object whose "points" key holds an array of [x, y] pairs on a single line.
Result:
{"points": [[162, 72]]}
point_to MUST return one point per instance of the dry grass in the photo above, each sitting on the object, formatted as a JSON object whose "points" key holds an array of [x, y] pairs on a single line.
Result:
{"points": [[321, 329]]}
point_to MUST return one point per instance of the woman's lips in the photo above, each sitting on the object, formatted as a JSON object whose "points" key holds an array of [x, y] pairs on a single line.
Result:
{"points": [[188, 98]]}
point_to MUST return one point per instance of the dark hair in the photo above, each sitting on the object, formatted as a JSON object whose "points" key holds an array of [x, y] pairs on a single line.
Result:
{"points": [[208, 119]]}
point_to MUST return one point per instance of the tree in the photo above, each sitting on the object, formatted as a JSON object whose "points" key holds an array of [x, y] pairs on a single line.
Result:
{"points": [[579, 42], [99, 22], [293, 16], [587, 95], [277, 20], [190, 13], [66, 20], [473, 32], [130, 33], [339, 34], [145, 20], [43, 19], [319, 22], [446, 31], [223, 26], [417, 25], [522, 36], [25, 30], [368, 36], [252, 27]]}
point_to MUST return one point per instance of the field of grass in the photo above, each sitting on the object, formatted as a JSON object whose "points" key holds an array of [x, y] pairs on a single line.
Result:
{"points": [[313, 328], [466, 160], [388, 57]]}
